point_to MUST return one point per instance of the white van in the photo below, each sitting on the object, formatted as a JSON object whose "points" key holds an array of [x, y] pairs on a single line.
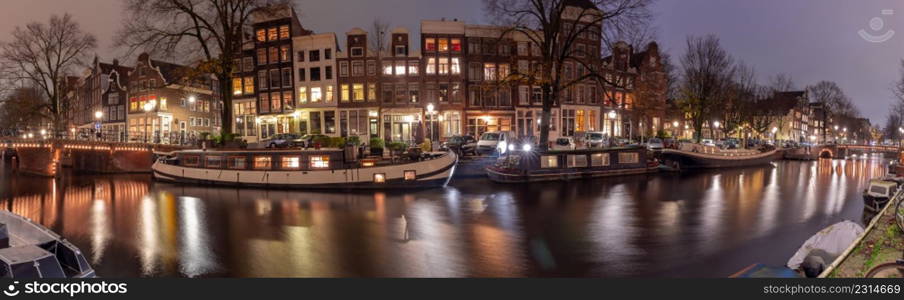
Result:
{"points": [[495, 142]]}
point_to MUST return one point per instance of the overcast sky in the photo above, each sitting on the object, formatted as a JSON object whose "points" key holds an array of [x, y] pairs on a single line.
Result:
{"points": [[810, 40]]}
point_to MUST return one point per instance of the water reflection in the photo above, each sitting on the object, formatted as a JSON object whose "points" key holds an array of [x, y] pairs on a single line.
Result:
{"points": [[689, 224]]}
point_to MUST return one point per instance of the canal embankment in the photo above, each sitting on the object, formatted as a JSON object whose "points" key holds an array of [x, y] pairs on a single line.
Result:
{"points": [[881, 242]]}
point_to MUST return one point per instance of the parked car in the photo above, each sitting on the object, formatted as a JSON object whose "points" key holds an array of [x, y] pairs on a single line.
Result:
{"points": [[708, 142], [461, 143], [307, 141], [595, 139], [495, 142], [281, 140], [655, 144], [563, 143]]}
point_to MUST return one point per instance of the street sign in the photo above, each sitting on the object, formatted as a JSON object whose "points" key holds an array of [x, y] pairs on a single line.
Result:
{"points": [[97, 126]]}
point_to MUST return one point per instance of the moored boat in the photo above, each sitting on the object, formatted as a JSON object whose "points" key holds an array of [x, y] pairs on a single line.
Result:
{"points": [[878, 193], [706, 157], [303, 169], [532, 166], [29, 250]]}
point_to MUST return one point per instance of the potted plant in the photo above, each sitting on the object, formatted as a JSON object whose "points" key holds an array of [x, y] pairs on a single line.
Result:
{"points": [[321, 141], [376, 147], [396, 148]]}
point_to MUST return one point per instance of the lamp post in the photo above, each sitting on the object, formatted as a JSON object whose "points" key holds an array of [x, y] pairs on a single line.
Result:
{"points": [[430, 123], [97, 116], [716, 125], [612, 115], [675, 128], [774, 131]]}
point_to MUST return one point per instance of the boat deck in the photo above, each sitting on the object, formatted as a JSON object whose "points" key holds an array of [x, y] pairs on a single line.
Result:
{"points": [[881, 242]]}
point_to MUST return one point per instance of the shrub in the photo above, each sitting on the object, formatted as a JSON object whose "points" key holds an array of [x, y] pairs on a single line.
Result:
{"points": [[354, 140], [322, 140], [337, 142], [376, 143], [398, 146], [426, 145]]}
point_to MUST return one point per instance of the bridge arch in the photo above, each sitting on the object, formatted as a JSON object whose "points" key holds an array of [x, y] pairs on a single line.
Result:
{"points": [[826, 153]]}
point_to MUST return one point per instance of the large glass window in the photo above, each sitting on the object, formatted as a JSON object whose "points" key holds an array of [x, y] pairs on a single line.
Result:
{"points": [[262, 162], [443, 65], [456, 66], [249, 85], [319, 161], [290, 162], [358, 90], [316, 94], [329, 121], [303, 95], [344, 93], [431, 65]]}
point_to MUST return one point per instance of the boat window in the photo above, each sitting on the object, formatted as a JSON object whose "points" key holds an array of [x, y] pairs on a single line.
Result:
{"points": [[599, 159], [577, 161], [549, 161], [191, 160], [238, 162], [50, 268], [628, 158], [262, 162], [291, 162], [878, 189], [214, 161], [410, 175], [25, 270], [563, 142], [320, 161], [380, 178]]}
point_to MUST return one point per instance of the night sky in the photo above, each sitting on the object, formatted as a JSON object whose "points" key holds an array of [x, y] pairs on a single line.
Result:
{"points": [[810, 40]]}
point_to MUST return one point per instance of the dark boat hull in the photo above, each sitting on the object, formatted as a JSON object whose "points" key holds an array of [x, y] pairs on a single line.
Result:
{"points": [[874, 204], [513, 176], [681, 160]]}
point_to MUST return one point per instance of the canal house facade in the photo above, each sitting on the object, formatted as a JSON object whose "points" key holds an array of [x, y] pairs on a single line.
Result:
{"points": [[456, 79], [96, 101]]}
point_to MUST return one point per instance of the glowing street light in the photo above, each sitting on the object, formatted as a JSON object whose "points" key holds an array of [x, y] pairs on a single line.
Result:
{"points": [[774, 130], [192, 99], [716, 124], [98, 114], [612, 115]]}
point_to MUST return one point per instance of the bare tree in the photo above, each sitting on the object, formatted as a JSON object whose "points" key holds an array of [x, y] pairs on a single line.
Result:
{"points": [[24, 107], [707, 76], [208, 34], [781, 83], [555, 27], [378, 32], [42, 55]]}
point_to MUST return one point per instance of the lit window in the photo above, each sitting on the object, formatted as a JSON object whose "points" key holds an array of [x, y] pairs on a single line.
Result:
{"points": [[371, 92], [380, 178], [343, 94], [387, 68], [577, 161], [236, 86], [456, 45], [443, 45], [302, 95], [261, 35], [316, 95], [628, 158], [443, 65], [410, 175], [456, 66], [249, 85], [400, 68], [358, 90], [329, 94], [549, 161], [191, 160], [262, 162], [431, 65], [430, 44], [320, 162], [271, 34], [489, 71], [283, 32], [291, 162], [412, 68]]}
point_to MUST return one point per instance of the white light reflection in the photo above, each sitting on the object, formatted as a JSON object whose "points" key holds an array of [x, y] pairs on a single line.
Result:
{"points": [[100, 229], [439, 243], [148, 236], [610, 230], [769, 211], [196, 257]]}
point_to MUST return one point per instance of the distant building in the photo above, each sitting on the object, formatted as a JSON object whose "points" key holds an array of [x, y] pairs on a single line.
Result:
{"points": [[100, 92]]}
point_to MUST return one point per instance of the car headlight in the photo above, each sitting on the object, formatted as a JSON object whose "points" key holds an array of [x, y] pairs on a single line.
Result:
{"points": [[511, 147], [526, 148]]}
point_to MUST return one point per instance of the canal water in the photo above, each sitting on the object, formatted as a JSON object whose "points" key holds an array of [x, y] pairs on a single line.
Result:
{"points": [[698, 224]]}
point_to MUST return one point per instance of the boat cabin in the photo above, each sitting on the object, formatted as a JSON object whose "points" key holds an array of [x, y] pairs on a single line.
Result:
{"points": [[882, 189], [284, 160], [575, 160]]}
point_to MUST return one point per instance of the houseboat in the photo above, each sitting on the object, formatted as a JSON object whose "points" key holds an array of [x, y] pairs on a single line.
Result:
{"points": [[303, 169], [29, 250], [693, 156], [555, 165]]}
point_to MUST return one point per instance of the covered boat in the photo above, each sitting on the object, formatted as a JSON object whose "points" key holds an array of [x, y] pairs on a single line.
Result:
{"points": [[824, 247], [531, 166], [326, 169], [29, 250], [707, 157], [878, 193]]}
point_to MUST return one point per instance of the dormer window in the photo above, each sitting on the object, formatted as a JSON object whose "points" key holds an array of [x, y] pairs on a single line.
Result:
{"points": [[401, 50], [357, 52]]}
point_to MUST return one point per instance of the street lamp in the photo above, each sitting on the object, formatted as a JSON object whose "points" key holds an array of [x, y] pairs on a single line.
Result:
{"points": [[612, 115], [97, 116], [192, 99], [432, 130]]}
